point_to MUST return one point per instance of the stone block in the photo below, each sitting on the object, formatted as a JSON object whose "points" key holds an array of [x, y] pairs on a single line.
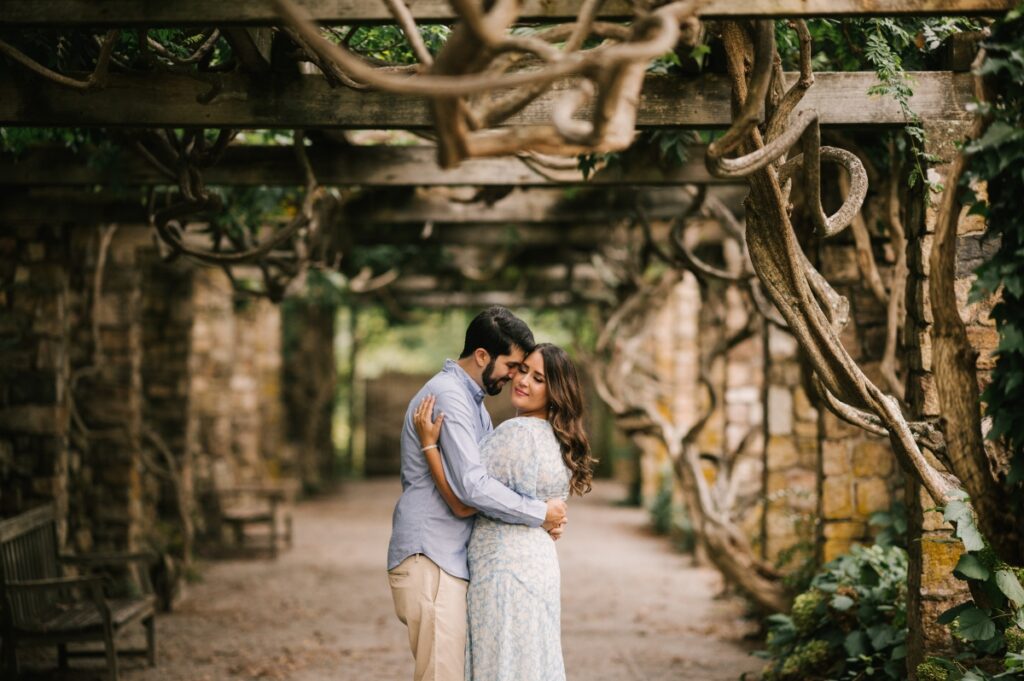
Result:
{"points": [[777, 482], [835, 458], [51, 354], [48, 277], [837, 498], [939, 555], [781, 453], [984, 339], [834, 427], [802, 407], [919, 300], [806, 429], [36, 419], [45, 487], [921, 354], [873, 340], [872, 496], [833, 548], [807, 447], [839, 264], [851, 340], [867, 309], [781, 343], [844, 529], [918, 255], [780, 410], [873, 457], [931, 520], [35, 252]]}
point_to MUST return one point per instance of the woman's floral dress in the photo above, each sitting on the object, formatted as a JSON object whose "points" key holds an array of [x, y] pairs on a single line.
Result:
{"points": [[514, 589]]}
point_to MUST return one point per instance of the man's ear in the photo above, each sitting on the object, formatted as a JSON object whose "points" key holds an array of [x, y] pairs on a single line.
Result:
{"points": [[482, 357]]}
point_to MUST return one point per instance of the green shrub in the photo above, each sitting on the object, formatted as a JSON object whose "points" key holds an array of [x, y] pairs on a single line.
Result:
{"points": [[850, 624]]}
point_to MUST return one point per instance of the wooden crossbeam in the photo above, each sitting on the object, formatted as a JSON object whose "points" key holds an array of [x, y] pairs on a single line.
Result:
{"points": [[367, 166], [19, 13], [238, 101], [521, 207], [534, 206], [541, 300]]}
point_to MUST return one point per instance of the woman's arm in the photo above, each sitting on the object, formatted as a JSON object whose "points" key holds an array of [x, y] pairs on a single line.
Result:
{"points": [[441, 482], [429, 432]]}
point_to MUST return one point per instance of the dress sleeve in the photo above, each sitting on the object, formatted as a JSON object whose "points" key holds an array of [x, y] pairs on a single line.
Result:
{"points": [[467, 475]]}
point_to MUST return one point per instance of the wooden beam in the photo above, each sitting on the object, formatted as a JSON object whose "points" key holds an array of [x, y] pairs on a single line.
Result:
{"points": [[520, 207], [237, 101], [525, 236], [535, 206], [482, 299], [368, 166], [23, 13]]}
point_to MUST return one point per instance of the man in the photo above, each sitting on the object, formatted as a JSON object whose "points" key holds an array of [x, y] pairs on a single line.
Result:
{"points": [[427, 567]]}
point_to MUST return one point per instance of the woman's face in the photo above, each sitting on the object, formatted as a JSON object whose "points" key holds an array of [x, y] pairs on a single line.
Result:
{"points": [[529, 386]]}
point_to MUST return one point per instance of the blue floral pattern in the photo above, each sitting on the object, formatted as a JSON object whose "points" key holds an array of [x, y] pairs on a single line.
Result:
{"points": [[514, 599]]}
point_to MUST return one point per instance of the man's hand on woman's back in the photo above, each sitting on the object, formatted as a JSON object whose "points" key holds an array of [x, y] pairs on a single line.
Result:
{"points": [[556, 518]]}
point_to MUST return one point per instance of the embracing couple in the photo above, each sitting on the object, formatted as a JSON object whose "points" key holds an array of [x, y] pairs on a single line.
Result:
{"points": [[472, 565]]}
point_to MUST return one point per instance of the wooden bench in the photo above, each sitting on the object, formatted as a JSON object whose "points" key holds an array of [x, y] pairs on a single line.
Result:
{"points": [[258, 506], [40, 606]]}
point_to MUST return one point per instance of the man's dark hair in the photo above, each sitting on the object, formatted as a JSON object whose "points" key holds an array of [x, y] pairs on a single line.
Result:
{"points": [[496, 330]]}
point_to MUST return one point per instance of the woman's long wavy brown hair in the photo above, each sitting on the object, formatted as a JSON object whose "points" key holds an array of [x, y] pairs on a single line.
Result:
{"points": [[565, 414]]}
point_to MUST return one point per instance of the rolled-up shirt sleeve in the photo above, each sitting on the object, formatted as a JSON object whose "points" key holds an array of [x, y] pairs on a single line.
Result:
{"points": [[467, 475]]}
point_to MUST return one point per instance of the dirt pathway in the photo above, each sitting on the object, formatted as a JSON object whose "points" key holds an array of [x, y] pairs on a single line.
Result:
{"points": [[633, 610]]}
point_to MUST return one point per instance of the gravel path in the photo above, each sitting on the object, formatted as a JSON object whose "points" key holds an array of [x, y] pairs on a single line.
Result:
{"points": [[633, 610]]}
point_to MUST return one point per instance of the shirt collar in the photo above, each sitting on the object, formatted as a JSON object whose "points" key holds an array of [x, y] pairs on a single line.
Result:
{"points": [[452, 367]]}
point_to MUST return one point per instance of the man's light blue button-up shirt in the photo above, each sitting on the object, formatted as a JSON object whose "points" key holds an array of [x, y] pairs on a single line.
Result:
{"points": [[422, 522]]}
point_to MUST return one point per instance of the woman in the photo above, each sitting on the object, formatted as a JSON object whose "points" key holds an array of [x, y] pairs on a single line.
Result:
{"points": [[514, 589]]}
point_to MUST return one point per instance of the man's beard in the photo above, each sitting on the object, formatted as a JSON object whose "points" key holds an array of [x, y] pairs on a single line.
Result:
{"points": [[493, 386]]}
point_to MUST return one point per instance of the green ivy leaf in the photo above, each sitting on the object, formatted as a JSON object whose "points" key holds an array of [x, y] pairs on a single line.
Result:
{"points": [[969, 567], [856, 643], [949, 615], [976, 625], [841, 603], [1010, 586]]}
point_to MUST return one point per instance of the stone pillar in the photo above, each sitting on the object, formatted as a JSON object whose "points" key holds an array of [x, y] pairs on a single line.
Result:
{"points": [[106, 478], [790, 456], [167, 329], [309, 386], [858, 475], [934, 551], [210, 434], [34, 369], [256, 391], [743, 412]]}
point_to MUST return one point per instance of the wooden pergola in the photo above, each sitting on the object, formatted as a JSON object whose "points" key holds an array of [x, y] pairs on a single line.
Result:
{"points": [[542, 223]]}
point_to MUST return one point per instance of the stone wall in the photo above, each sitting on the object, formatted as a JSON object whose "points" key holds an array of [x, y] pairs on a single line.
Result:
{"points": [[858, 475], [309, 379], [129, 386], [790, 456], [34, 368], [106, 476]]}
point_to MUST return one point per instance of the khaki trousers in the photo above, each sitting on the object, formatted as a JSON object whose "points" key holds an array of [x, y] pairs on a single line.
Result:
{"points": [[432, 604]]}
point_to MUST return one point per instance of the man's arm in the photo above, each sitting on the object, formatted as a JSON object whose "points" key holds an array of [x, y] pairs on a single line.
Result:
{"points": [[468, 477]]}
